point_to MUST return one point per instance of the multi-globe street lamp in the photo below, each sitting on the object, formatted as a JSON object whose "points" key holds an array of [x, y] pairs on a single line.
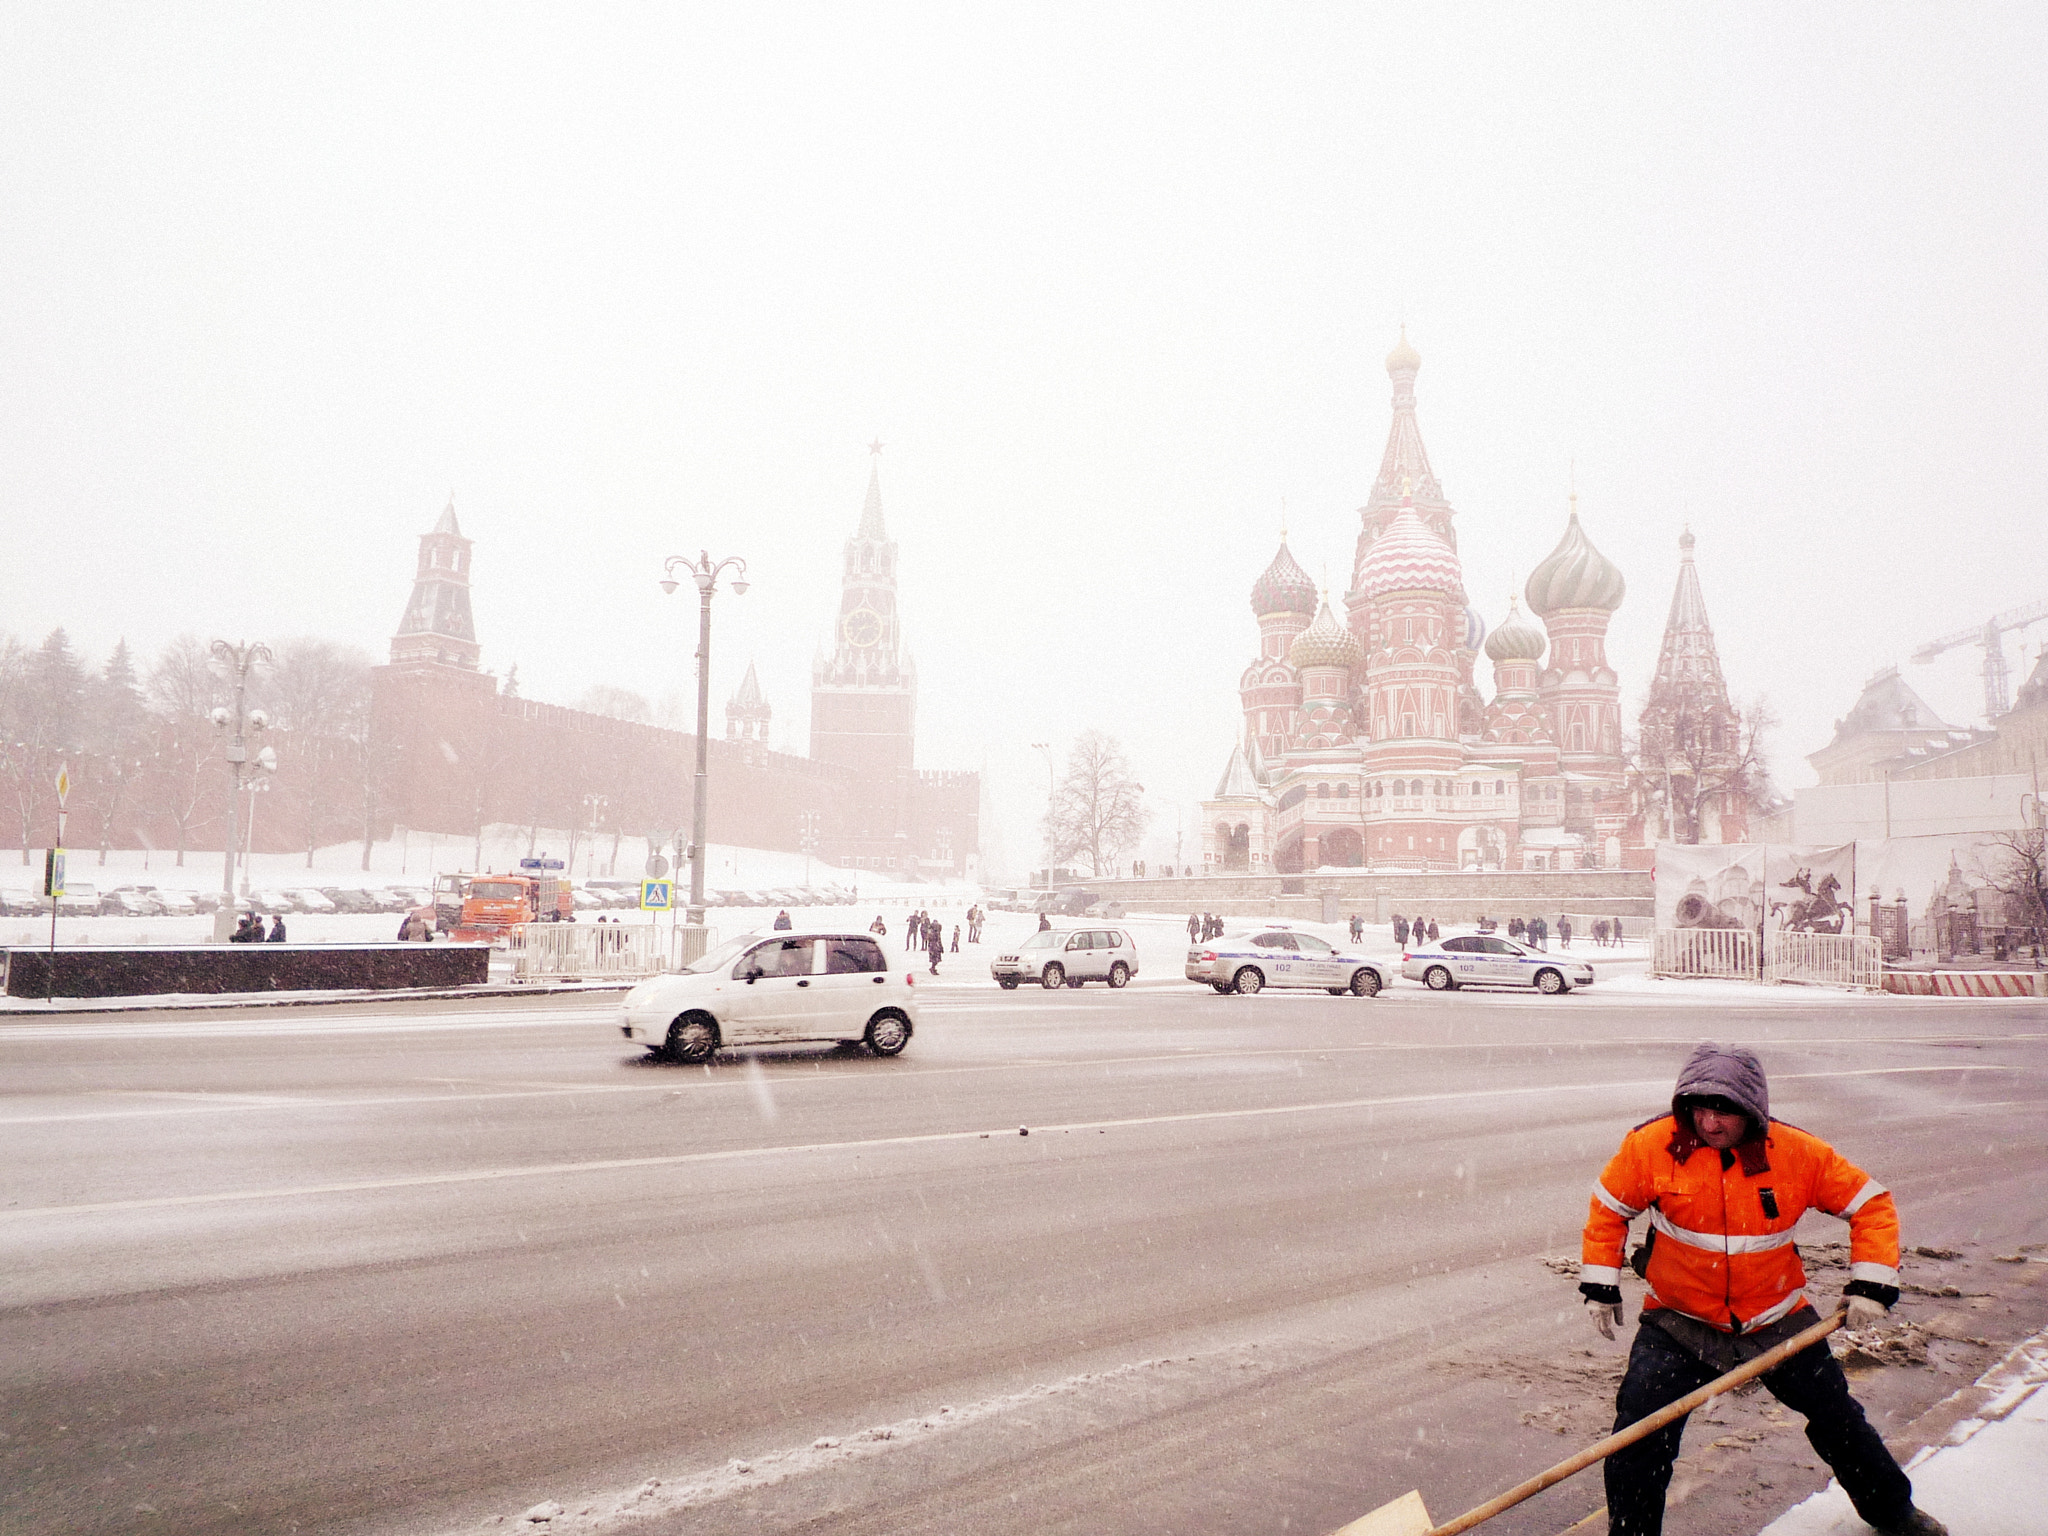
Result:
{"points": [[236, 662], [704, 571]]}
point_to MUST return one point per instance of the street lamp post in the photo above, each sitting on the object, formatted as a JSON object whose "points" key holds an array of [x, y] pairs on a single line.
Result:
{"points": [[236, 662], [704, 571], [1046, 748]]}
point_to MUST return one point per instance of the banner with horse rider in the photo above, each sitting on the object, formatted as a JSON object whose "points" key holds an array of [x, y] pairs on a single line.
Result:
{"points": [[1761, 888]]}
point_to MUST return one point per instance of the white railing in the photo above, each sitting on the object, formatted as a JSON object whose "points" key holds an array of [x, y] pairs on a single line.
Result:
{"points": [[1723, 952], [1826, 959], [588, 950]]}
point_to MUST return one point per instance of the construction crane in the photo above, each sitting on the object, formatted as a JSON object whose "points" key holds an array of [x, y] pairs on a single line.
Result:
{"points": [[1997, 676]]}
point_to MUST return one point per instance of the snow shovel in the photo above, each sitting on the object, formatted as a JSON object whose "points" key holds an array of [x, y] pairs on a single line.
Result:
{"points": [[1406, 1516]]}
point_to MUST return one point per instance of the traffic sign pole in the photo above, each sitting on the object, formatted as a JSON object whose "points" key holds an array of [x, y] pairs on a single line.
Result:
{"points": [[53, 879]]}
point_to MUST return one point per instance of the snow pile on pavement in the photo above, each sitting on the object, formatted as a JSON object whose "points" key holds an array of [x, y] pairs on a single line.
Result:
{"points": [[1989, 1477]]}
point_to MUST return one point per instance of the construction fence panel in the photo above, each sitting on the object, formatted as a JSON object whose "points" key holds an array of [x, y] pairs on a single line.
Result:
{"points": [[1729, 953], [1826, 959]]}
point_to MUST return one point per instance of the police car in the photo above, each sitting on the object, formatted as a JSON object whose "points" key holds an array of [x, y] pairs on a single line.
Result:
{"points": [[1278, 956], [1486, 960]]}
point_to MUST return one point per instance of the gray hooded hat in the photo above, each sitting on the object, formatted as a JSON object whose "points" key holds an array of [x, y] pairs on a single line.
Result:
{"points": [[1725, 1072]]}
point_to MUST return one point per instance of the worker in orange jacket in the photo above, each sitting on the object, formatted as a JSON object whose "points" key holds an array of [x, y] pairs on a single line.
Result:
{"points": [[1724, 1185]]}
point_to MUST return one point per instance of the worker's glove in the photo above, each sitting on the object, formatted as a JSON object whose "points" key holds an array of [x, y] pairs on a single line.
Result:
{"points": [[1865, 1313], [1605, 1315]]}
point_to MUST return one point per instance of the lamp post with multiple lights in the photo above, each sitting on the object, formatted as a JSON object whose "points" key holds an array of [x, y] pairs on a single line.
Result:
{"points": [[1046, 748], [704, 571], [235, 663]]}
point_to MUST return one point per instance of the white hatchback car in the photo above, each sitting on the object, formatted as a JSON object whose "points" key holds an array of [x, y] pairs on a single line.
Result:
{"points": [[1067, 957], [1277, 956], [774, 989], [1486, 960]]}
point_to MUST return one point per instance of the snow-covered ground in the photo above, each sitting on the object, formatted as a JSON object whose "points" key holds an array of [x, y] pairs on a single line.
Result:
{"points": [[1988, 1477]]}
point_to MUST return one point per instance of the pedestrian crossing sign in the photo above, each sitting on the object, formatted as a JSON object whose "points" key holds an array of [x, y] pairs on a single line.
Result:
{"points": [[657, 895]]}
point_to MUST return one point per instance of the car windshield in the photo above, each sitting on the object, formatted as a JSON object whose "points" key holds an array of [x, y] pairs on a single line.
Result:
{"points": [[496, 890], [1045, 938], [729, 950]]}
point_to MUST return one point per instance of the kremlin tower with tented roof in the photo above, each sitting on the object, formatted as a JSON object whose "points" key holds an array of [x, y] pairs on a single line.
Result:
{"points": [[1367, 741]]}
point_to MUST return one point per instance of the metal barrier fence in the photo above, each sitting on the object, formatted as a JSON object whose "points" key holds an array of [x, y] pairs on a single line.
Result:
{"points": [[588, 950], [1725, 952], [1826, 959]]}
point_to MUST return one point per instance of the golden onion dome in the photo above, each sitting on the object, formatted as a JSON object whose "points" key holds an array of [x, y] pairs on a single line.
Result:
{"points": [[1325, 643]]}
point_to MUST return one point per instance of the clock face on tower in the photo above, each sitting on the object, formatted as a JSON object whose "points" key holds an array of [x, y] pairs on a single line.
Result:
{"points": [[862, 628]]}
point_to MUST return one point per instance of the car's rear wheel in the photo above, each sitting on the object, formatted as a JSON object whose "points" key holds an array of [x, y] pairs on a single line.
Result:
{"points": [[1550, 982], [692, 1038], [1247, 981], [1222, 988], [1438, 978], [1053, 977], [888, 1032], [1119, 974], [1365, 982], [1007, 983]]}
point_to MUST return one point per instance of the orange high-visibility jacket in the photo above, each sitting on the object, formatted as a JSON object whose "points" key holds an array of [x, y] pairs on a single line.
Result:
{"points": [[1721, 1222]]}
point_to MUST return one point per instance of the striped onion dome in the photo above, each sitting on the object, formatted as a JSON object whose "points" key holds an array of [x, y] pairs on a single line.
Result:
{"points": [[1472, 630], [1517, 639], [1325, 643], [1409, 556], [1285, 587], [1575, 575]]}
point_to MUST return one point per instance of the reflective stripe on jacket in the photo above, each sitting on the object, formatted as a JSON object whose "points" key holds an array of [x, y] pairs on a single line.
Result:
{"points": [[1721, 1223]]}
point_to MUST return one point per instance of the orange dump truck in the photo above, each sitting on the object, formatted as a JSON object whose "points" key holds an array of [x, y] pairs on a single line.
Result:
{"points": [[495, 904]]}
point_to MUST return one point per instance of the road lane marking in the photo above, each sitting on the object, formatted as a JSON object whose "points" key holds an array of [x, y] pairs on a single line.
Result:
{"points": [[926, 1138], [232, 1104]]}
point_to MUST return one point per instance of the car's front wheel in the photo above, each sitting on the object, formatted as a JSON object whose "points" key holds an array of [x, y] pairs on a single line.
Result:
{"points": [[1247, 981], [1053, 977], [1119, 974], [692, 1038], [1438, 978], [1007, 983], [1550, 982], [888, 1032], [1365, 982]]}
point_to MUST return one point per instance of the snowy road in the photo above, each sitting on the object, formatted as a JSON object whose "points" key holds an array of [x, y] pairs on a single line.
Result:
{"points": [[1260, 1264]]}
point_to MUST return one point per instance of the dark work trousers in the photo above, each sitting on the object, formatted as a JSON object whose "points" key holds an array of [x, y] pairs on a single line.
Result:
{"points": [[1661, 1370]]}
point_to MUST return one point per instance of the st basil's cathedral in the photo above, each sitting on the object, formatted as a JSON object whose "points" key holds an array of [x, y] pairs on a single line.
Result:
{"points": [[1366, 740]]}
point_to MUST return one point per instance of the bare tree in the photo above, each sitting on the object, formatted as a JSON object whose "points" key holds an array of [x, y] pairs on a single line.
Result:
{"points": [[2016, 864], [317, 693], [1098, 811], [182, 775], [617, 703], [1690, 755], [117, 740]]}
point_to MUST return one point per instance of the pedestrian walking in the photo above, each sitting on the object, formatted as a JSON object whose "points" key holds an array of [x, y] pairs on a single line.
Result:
{"points": [[1725, 1185], [1400, 930], [956, 938], [934, 945], [1599, 933], [910, 933], [276, 928], [1617, 932], [1194, 923], [1564, 932], [1517, 928], [1432, 930], [1044, 922], [1539, 932]]}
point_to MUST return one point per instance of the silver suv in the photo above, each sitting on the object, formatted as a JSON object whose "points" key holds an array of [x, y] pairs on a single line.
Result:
{"points": [[1067, 957]]}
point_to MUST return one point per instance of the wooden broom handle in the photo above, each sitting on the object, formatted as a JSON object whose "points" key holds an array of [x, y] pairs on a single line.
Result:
{"points": [[1770, 1359]]}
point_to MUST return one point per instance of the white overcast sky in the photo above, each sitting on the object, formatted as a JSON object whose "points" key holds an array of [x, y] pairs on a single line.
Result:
{"points": [[1112, 282]]}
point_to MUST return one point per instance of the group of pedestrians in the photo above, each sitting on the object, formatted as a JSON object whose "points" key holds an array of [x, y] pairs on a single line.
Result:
{"points": [[250, 930], [1203, 926], [1422, 930]]}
